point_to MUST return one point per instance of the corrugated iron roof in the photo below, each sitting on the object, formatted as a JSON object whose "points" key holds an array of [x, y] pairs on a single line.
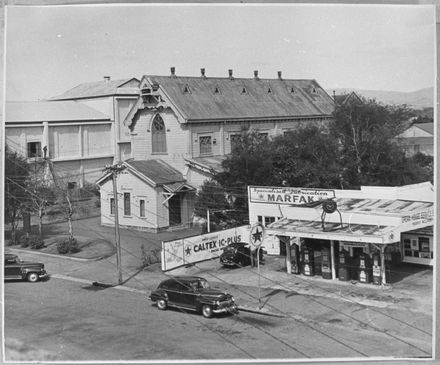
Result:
{"points": [[427, 127], [101, 88], [158, 171], [355, 231], [50, 111], [238, 98], [212, 163], [387, 206]]}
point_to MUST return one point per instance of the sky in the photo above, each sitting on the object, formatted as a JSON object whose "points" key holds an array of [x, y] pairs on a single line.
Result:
{"points": [[50, 49]]}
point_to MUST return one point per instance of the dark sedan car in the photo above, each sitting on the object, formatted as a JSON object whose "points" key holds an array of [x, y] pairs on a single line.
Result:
{"points": [[193, 293], [23, 270], [238, 254]]}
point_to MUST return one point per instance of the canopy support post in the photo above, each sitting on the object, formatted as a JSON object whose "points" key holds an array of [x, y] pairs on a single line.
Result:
{"points": [[332, 258]]}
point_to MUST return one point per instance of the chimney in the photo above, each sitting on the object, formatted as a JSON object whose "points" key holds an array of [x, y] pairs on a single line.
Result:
{"points": [[256, 75], [202, 71], [173, 71], [230, 75], [107, 78], [279, 75]]}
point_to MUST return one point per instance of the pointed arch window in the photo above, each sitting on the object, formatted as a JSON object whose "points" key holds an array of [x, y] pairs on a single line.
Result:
{"points": [[158, 135]]}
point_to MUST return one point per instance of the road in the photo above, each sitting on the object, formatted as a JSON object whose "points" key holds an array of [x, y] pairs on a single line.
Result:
{"points": [[68, 319]]}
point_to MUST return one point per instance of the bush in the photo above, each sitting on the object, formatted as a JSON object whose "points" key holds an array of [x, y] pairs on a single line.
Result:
{"points": [[23, 241], [35, 242], [68, 245], [63, 246], [73, 246]]}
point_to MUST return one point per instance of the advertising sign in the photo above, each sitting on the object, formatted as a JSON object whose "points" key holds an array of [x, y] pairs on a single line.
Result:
{"points": [[290, 196], [199, 248]]}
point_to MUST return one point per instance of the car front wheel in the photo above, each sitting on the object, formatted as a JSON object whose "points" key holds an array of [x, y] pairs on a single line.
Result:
{"points": [[207, 311], [161, 304], [32, 277]]}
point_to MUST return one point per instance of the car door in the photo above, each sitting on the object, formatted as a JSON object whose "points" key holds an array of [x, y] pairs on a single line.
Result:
{"points": [[12, 268], [173, 290]]}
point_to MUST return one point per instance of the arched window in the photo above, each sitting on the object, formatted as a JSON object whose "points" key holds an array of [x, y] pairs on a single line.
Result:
{"points": [[158, 135]]}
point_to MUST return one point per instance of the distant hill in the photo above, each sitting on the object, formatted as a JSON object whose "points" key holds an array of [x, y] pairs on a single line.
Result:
{"points": [[419, 99]]}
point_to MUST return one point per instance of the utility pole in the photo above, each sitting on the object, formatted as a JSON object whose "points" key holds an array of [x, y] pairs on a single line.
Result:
{"points": [[115, 170]]}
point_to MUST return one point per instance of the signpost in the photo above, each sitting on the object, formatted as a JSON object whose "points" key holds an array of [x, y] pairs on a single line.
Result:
{"points": [[256, 238]]}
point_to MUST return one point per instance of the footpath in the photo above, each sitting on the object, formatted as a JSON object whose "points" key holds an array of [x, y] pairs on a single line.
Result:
{"points": [[410, 288]]}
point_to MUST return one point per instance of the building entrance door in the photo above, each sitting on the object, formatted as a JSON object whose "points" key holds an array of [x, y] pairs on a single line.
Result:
{"points": [[175, 204]]}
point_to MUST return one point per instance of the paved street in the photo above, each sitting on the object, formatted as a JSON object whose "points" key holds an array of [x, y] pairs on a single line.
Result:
{"points": [[69, 319]]}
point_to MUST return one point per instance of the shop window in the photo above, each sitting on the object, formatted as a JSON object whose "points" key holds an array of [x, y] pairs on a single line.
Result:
{"points": [[260, 219], [264, 135], [142, 208], [424, 244], [33, 149], [158, 135], [268, 220], [112, 206], [127, 208], [205, 145]]}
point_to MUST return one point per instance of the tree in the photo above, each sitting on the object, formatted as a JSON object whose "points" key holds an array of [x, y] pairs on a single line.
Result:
{"points": [[368, 155], [16, 193], [250, 163], [307, 157], [212, 197], [42, 189]]}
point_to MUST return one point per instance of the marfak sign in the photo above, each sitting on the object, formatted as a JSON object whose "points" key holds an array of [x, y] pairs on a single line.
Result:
{"points": [[290, 196]]}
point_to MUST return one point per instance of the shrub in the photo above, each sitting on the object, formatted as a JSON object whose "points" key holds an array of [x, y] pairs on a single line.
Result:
{"points": [[68, 245], [23, 241], [73, 246], [63, 246], [35, 242]]}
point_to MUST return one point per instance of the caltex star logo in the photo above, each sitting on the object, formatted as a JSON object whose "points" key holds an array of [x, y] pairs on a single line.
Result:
{"points": [[188, 251], [257, 235]]}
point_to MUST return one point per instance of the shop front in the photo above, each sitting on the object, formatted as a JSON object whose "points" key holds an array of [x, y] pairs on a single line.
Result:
{"points": [[346, 234]]}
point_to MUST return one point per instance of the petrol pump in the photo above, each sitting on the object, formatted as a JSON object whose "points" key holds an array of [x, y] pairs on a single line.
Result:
{"points": [[376, 269], [295, 258], [364, 268], [326, 265], [308, 264], [343, 272]]}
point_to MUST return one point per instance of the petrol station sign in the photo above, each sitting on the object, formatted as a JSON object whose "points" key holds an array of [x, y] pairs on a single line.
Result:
{"points": [[290, 196]]}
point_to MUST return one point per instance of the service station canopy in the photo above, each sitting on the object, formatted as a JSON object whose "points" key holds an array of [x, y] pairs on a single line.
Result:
{"points": [[356, 219]]}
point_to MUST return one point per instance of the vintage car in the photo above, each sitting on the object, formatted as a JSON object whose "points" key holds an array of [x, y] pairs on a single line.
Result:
{"points": [[239, 254], [15, 269], [193, 293]]}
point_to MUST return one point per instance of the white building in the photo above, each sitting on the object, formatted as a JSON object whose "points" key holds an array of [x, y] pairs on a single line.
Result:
{"points": [[388, 220]]}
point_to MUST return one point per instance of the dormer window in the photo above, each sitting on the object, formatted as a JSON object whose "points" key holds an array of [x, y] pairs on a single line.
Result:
{"points": [[243, 91], [186, 89], [269, 90], [314, 91], [217, 90], [292, 90]]}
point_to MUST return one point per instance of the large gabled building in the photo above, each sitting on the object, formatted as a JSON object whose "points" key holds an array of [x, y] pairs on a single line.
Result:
{"points": [[79, 131], [191, 123]]}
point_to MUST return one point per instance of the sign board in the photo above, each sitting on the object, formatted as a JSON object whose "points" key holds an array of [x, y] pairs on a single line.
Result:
{"points": [[199, 248], [289, 196], [256, 235]]}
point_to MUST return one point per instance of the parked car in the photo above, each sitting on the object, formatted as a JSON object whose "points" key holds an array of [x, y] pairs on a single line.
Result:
{"points": [[239, 254], [193, 293], [23, 270]]}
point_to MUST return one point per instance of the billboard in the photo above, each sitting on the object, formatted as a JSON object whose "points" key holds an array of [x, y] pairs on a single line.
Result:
{"points": [[199, 248], [290, 196]]}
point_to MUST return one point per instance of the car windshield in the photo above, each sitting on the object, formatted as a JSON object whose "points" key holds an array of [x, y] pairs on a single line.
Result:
{"points": [[200, 284]]}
